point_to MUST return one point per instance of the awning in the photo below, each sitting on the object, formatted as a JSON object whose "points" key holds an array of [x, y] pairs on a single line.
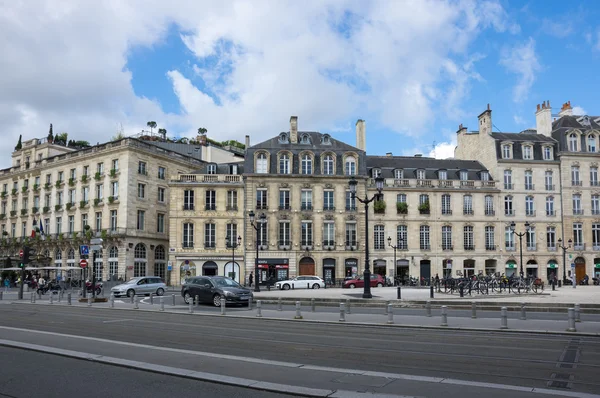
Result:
{"points": [[531, 265], [511, 265], [552, 265], [209, 265]]}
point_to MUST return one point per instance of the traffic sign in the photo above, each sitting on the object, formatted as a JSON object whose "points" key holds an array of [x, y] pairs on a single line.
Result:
{"points": [[96, 247], [21, 253], [83, 263], [84, 250], [96, 241]]}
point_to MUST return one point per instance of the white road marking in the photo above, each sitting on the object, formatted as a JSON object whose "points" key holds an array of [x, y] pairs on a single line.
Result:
{"points": [[117, 320]]}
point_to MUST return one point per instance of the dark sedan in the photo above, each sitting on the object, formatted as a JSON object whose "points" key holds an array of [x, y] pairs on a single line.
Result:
{"points": [[210, 289]]}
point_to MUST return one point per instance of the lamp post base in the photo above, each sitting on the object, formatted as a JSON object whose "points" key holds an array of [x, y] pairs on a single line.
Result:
{"points": [[367, 295]]}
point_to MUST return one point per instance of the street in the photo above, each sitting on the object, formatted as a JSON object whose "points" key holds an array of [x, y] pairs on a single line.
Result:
{"points": [[533, 361]]}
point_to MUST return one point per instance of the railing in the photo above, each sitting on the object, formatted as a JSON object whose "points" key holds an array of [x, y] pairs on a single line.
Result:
{"points": [[467, 184], [306, 244], [401, 183], [529, 187], [579, 246], [231, 208], [576, 183], [209, 178], [328, 208], [490, 247], [549, 187], [351, 245], [328, 244], [447, 247], [530, 213], [188, 207], [488, 184], [447, 212], [445, 183], [510, 212], [578, 212], [425, 247], [306, 206], [594, 183], [469, 247], [508, 185], [550, 213], [468, 212], [188, 245], [209, 245], [511, 248], [262, 207], [551, 248], [285, 207], [596, 246], [531, 248], [595, 211], [284, 244], [424, 183], [490, 212], [350, 208], [210, 207]]}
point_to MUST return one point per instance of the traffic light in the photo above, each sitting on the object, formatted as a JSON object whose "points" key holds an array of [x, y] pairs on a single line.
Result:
{"points": [[28, 252]]}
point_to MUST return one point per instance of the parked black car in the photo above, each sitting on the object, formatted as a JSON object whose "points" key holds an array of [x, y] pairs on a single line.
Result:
{"points": [[210, 289]]}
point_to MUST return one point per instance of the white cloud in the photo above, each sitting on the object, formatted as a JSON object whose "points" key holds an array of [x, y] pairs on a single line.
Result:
{"points": [[577, 110], [557, 29], [327, 62], [519, 120], [443, 150], [522, 61]]}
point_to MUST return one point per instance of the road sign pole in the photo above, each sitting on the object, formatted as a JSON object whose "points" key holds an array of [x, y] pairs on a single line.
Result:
{"points": [[94, 273], [83, 264]]}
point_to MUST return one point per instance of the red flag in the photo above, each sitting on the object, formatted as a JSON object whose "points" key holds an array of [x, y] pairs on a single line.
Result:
{"points": [[33, 229]]}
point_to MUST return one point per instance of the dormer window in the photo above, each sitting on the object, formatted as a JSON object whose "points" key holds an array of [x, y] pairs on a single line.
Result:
{"points": [[420, 174], [464, 175], [376, 173], [527, 152], [443, 175], [326, 139], [398, 174], [547, 153], [506, 151], [211, 169], [350, 166], [573, 142], [261, 163], [305, 139], [233, 169], [284, 138], [485, 176], [591, 143], [328, 165]]}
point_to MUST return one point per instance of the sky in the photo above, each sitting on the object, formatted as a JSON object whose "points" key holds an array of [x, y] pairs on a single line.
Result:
{"points": [[413, 70]]}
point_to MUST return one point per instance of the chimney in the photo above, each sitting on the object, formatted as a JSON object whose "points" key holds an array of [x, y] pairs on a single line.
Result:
{"points": [[388, 154], [294, 130], [543, 119], [360, 135], [566, 110], [247, 141], [461, 129], [485, 121]]}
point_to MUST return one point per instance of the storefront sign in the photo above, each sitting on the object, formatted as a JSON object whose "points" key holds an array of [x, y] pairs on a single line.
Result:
{"points": [[351, 262], [282, 266], [552, 265], [273, 261]]}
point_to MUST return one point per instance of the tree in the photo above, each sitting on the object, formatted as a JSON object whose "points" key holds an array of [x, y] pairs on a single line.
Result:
{"points": [[152, 125], [202, 131], [61, 139], [163, 132], [19, 144], [50, 135], [118, 136]]}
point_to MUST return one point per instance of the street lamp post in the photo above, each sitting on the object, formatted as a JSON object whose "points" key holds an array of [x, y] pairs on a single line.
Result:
{"points": [[234, 244], [520, 235], [564, 249], [395, 247], [366, 200], [258, 225]]}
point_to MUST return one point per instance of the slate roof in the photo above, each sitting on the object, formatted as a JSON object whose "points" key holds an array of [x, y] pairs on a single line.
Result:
{"points": [[526, 136], [521, 137], [410, 165], [222, 168], [315, 139], [563, 125]]}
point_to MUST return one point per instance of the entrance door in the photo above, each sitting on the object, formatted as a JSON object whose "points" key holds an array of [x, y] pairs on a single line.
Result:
{"points": [[579, 269], [401, 277], [209, 268], [425, 270], [306, 266]]}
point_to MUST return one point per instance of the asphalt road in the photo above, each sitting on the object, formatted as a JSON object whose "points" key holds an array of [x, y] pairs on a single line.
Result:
{"points": [[530, 360], [33, 374]]}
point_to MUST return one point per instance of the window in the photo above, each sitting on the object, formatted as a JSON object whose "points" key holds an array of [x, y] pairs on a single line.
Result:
{"points": [[596, 236], [467, 204], [232, 200], [375, 173], [306, 233], [508, 179], [209, 235], [113, 220], [264, 234], [350, 201], [402, 237], [261, 199], [446, 205], [577, 204], [506, 152], [490, 243], [350, 166], [527, 152], [73, 174], [464, 175], [24, 229], [468, 237], [160, 223], [85, 194], [595, 204], [115, 165], [284, 164], [328, 201], [13, 230], [379, 237], [306, 199], [485, 176], [284, 233], [446, 237], [58, 225], [305, 139], [188, 199], [328, 165], [578, 236], [141, 220], [86, 171], [529, 206], [84, 221], [424, 242], [591, 141], [575, 175], [547, 153], [509, 239], [398, 174], [72, 196], [61, 177], [508, 206], [188, 235], [401, 198], [531, 238], [284, 199], [14, 204], [46, 225], [442, 175], [350, 235], [328, 234], [420, 174], [142, 168], [261, 164], [306, 164], [98, 221], [551, 238], [529, 180], [549, 180], [48, 179], [423, 198], [161, 172], [210, 200], [593, 176], [99, 191], [489, 205], [161, 195], [59, 198], [211, 169], [573, 142], [141, 191], [550, 206]]}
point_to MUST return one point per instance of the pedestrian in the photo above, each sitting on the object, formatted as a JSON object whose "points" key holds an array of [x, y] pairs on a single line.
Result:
{"points": [[6, 284], [250, 279]]}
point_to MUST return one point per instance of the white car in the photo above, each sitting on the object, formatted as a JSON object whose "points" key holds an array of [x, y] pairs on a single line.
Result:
{"points": [[301, 282]]}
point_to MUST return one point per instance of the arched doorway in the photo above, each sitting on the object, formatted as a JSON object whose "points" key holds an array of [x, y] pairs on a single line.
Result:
{"points": [[186, 270], [210, 268], [531, 269], [139, 261], [511, 268], [306, 266], [469, 268], [552, 270], [401, 272], [425, 271], [579, 269], [379, 267], [232, 270]]}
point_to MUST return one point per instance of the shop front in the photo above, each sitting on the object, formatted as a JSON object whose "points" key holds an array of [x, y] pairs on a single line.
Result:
{"points": [[597, 268], [351, 267], [469, 268], [402, 273], [511, 268], [186, 270], [329, 271], [272, 270], [490, 267], [531, 269], [210, 268], [379, 267], [232, 270], [551, 270]]}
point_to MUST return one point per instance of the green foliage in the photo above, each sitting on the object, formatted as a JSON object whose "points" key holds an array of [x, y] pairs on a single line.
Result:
{"points": [[379, 206], [19, 144], [61, 139], [402, 207], [202, 131]]}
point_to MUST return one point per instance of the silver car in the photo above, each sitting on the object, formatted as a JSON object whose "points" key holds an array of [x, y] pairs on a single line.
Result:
{"points": [[143, 285]]}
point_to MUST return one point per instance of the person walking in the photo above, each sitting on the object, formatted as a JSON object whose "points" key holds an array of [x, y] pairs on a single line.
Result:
{"points": [[6, 284], [250, 279]]}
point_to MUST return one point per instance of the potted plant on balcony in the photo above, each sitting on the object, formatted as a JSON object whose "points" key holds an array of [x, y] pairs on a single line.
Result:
{"points": [[47, 186], [97, 176], [84, 178], [82, 203], [402, 207], [113, 173], [14, 191], [24, 189], [424, 208], [379, 207], [46, 209], [69, 205], [72, 182], [36, 187], [97, 201], [111, 199]]}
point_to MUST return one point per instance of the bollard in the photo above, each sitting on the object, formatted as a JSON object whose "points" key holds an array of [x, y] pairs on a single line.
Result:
{"points": [[503, 318], [60, 294], [523, 313], [431, 291], [90, 301], [250, 303], [173, 296], [259, 309], [473, 310], [197, 300], [342, 313], [553, 286], [462, 291], [32, 297], [112, 300], [577, 313], [348, 310], [398, 293], [136, 303], [132, 298], [428, 308], [1, 295], [390, 312], [298, 314], [51, 299], [571, 327], [279, 305], [68, 299], [444, 316], [161, 300], [223, 305], [191, 307], [386, 306], [308, 285], [151, 299], [312, 305]]}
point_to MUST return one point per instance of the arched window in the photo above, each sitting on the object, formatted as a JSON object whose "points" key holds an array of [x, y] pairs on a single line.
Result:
{"points": [[284, 164], [58, 255], [113, 262], [328, 165], [573, 142], [71, 258], [261, 163], [350, 166], [160, 266], [98, 265], [306, 164], [591, 147], [529, 206], [140, 261]]}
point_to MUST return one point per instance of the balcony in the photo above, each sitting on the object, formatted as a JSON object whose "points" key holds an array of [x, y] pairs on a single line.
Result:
{"points": [[188, 207], [209, 178], [529, 187], [468, 212], [579, 246], [231, 208], [594, 183], [23, 212], [531, 248], [328, 244], [210, 207], [188, 245], [509, 212], [306, 244], [209, 245], [508, 185], [551, 248], [467, 184], [328, 208], [285, 207], [306, 206], [490, 212], [351, 245], [425, 247], [284, 245], [549, 187], [447, 212], [490, 247], [511, 248], [447, 247], [445, 183], [260, 206], [424, 183], [550, 213], [488, 184], [401, 183], [577, 212], [530, 213], [576, 183], [469, 247], [350, 208]]}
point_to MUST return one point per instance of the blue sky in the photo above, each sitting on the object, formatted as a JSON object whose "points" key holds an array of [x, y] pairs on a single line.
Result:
{"points": [[413, 70]]}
